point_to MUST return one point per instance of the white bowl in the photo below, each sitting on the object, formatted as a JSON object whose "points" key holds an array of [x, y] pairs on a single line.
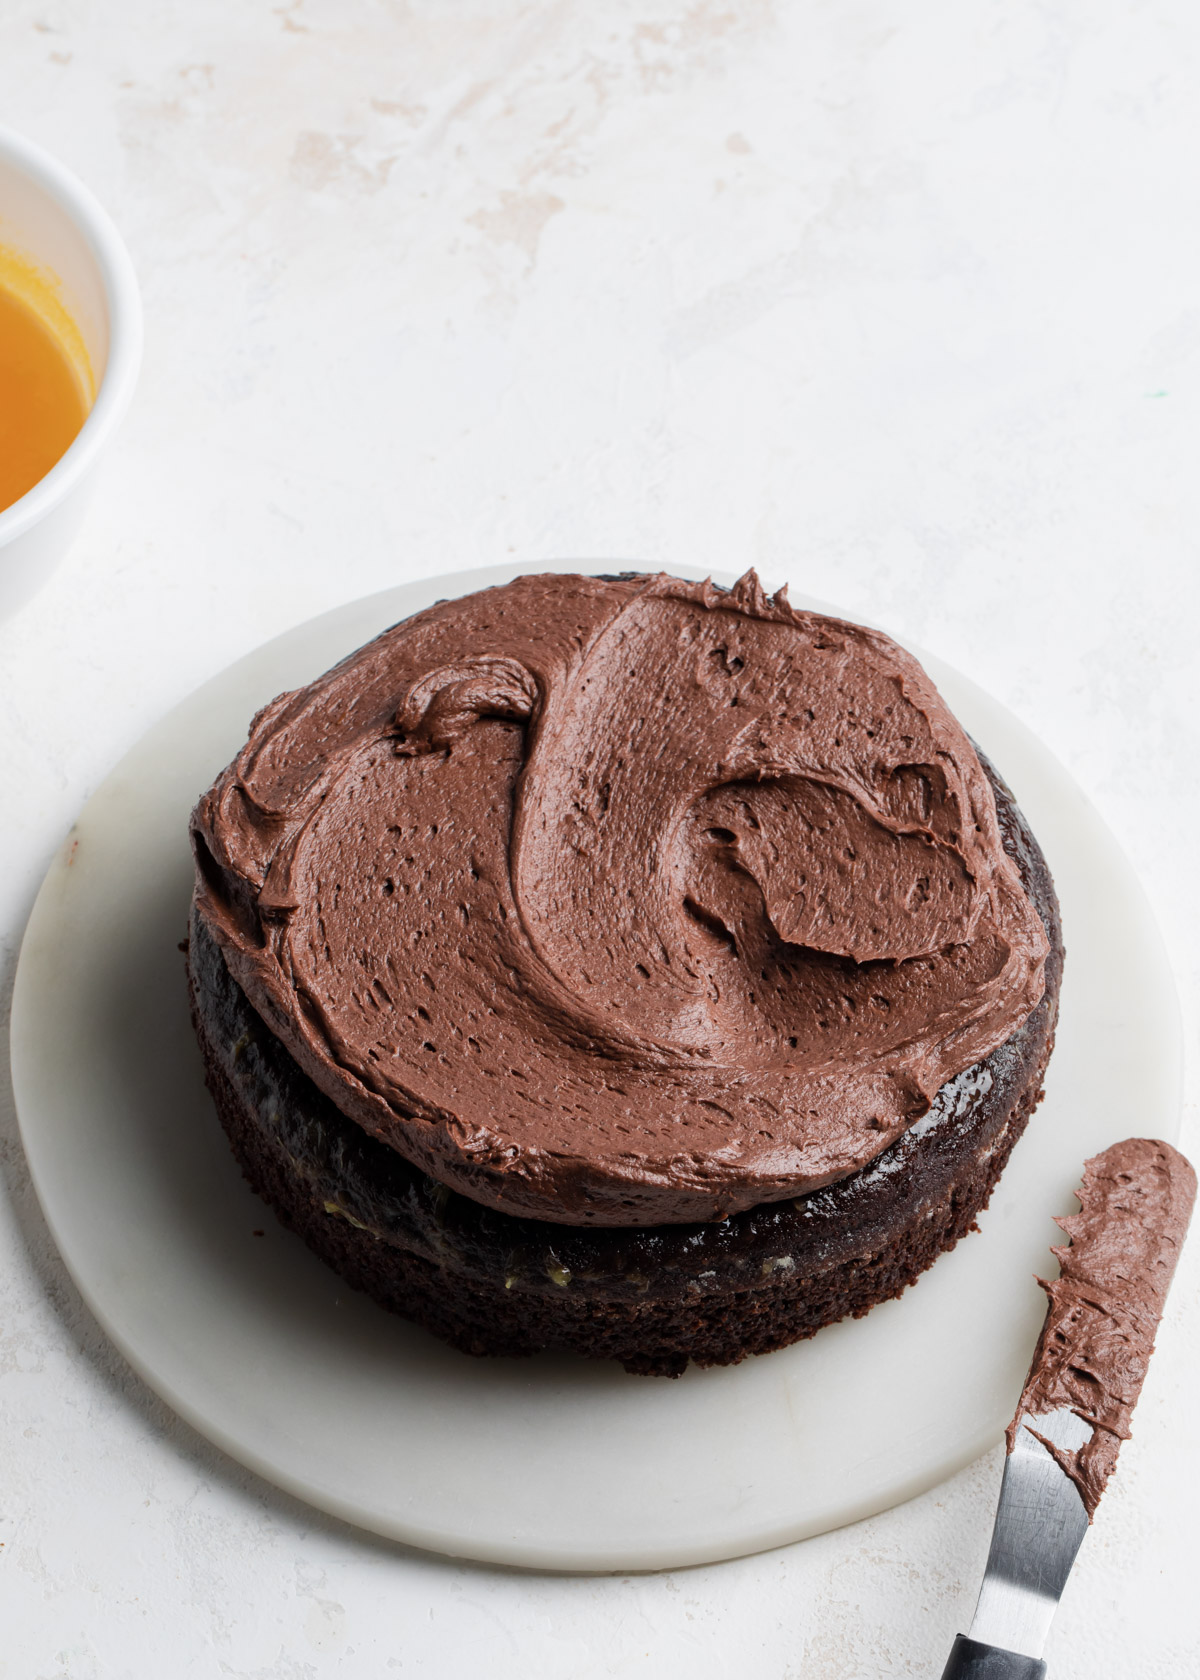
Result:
{"points": [[54, 222]]}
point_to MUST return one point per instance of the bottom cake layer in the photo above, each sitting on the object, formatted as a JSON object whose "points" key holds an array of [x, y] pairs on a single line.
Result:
{"points": [[651, 1297]]}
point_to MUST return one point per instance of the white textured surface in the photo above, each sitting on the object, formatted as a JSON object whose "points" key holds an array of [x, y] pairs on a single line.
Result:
{"points": [[900, 301]]}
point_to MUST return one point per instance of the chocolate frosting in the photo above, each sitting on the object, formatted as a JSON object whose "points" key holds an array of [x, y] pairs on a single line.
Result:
{"points": [[628, 901], [1136, 1200]]}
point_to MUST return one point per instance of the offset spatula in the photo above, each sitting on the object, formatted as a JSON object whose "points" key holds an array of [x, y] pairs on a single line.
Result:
{"points": [[1074, 1412]]}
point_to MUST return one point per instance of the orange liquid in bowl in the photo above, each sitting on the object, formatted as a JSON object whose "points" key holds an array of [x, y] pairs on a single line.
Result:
{"points": [[43, 399]]}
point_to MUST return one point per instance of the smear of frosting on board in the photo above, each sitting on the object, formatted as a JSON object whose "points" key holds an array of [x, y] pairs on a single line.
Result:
{"points": [[626, 901]]}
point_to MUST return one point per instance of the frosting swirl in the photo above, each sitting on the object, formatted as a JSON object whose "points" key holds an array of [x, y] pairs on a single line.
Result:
{"points": [[626, 901]]}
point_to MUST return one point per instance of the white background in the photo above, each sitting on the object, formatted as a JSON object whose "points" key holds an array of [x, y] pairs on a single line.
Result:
{"points": [[901, 302]]}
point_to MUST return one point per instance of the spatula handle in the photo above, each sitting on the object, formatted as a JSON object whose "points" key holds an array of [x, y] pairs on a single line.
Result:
{"points": [[969, 1660]]}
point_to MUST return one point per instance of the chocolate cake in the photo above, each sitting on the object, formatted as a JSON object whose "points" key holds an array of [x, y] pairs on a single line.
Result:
{"points": [[623, 965]]}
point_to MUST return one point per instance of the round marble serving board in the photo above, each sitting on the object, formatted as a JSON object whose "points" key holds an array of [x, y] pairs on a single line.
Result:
{"points": [[552, 1462]]}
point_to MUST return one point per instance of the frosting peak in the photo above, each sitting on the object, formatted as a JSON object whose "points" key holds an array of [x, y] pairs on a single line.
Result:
{"points": [[630, 901]]}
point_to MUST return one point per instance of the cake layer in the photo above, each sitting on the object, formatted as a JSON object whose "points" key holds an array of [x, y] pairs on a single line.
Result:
{"points": [[652, 1297]]}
